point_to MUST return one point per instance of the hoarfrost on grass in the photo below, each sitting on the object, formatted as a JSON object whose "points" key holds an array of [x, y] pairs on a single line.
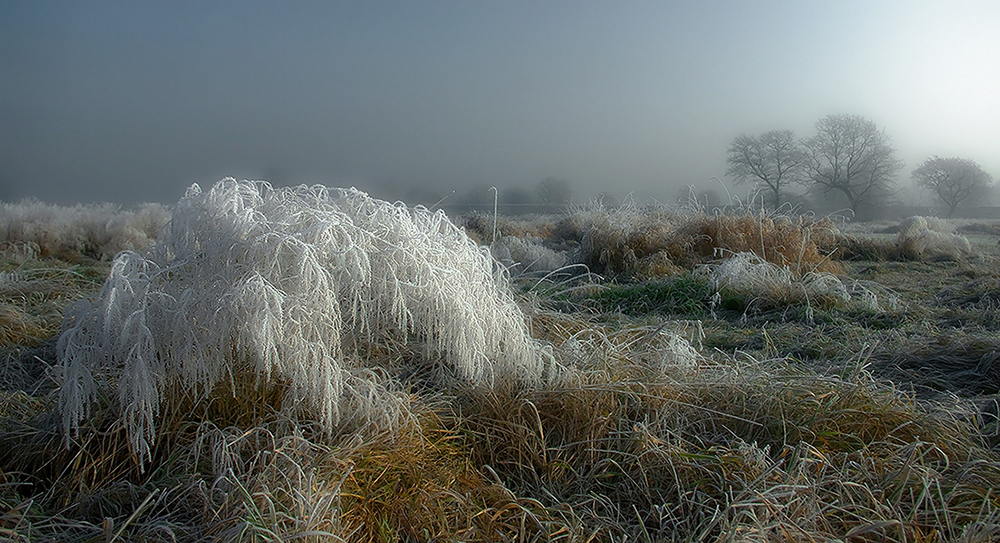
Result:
{"points": [[931, 237], [527, 254], [292, 285], [99, 231], [749, 275]]}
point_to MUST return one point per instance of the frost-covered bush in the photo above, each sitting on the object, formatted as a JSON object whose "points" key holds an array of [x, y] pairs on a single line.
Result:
{"points": [[930, 237], [289, 287], [98, 231], [750, 274]]}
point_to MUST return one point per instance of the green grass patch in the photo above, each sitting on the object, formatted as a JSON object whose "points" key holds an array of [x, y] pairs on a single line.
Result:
{"points": [[685, 295]]}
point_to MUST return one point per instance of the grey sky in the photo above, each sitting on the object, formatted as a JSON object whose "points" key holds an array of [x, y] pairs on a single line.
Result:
{"points": [[128, 101]]}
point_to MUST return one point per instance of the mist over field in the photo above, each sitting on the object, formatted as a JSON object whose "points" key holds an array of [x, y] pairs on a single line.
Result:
{"points": [[125, 103]]}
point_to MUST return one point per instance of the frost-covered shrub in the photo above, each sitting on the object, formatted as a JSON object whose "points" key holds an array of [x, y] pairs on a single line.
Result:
{"points": [[930, 237], [287, 287]]}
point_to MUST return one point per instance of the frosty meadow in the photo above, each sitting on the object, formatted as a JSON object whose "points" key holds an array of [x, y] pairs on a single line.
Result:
{"points": [[285, 364]]}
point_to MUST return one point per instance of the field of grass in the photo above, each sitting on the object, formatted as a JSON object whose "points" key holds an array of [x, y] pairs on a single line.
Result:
{"points": [[624, 374]]}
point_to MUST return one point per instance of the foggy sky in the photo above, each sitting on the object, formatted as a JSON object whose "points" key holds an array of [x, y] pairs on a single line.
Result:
{"points": [[128, 102]]}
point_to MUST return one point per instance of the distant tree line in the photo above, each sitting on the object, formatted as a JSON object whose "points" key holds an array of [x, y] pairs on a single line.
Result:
{"points": [[848, 157], [551, 191]]}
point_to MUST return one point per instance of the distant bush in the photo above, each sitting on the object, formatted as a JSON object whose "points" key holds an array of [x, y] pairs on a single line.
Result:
{"points": [[917, 238], [291, 290]]}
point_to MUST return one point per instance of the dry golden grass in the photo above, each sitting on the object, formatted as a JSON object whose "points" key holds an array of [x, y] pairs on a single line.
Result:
{"points": [[787, 242], [729, 454], [424, 487], [35, 290], [614, 243], [20, 328], [645, 242]]}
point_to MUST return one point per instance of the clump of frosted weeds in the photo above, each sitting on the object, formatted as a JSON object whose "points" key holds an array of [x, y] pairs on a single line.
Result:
{"points": [[291, 286], [930, 237], [526, 255], [748, 274]]}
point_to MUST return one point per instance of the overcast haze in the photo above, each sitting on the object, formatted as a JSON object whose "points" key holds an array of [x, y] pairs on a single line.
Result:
{"points": [[134, 101]]}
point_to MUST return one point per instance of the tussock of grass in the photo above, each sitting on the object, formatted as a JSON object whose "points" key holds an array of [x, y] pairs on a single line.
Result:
{"points": [[792, 242], [931, 238], [633, 240], [767, 285], [615, 241]]}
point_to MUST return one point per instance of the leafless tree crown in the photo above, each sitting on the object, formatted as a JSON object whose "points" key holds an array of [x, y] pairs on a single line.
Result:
{"points": [[773, 159], [849, 154], [953, 180]]}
